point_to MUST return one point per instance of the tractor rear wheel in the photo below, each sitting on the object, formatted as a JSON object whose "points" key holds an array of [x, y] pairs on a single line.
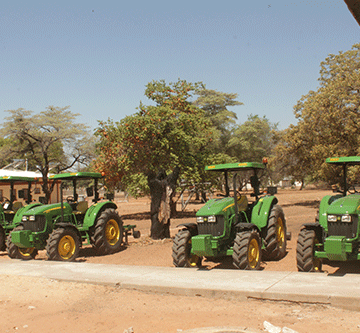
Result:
{"points": [[275, 239], [108, 235], [306, 262], [63, 245], [247, 250], [181, 251], [2, 239], [16, 252]]}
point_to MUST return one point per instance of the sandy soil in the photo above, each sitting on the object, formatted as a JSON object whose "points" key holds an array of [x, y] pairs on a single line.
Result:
{"points": [[27, 304]]}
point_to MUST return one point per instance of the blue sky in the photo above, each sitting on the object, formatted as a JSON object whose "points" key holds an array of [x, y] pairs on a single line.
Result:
{"points": [[97, 56]]}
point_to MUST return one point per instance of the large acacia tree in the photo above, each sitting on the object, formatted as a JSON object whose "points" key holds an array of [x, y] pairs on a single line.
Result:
{"points": [[50, 141], [173, 133], [328, 119]]}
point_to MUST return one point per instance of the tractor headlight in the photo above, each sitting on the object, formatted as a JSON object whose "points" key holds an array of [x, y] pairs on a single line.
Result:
{"points": [[332, 218], [346, 218], [200, 219], [24, 218], [212, 219]]}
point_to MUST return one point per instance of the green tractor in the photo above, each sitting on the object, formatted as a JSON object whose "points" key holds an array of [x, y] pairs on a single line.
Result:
{"points": [[11, 210], [62, 228], [247, 230], [335, 234]]}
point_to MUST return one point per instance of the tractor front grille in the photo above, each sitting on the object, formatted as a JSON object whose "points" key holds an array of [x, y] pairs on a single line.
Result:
{"points": [[349, 230], [211, 228], [37, 225]]}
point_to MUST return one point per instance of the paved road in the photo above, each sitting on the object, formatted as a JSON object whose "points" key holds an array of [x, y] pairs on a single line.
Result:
{"points": [[340, 291]]}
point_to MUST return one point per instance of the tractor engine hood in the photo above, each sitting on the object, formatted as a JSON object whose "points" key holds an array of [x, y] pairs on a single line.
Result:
{"points": [[49, 209], [345, 205], [216, 207]]}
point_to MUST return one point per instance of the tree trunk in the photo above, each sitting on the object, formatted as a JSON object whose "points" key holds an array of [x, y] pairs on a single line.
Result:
{"points": [[162, 189]]}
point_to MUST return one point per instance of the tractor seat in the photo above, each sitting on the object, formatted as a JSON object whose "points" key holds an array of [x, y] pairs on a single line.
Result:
{"points": [[242, 203], [81, 207], [16, 206]]}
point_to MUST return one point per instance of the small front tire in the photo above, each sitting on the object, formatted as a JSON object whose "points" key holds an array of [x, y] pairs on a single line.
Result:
{"points": [[63, 245], [247, 250], [181, 251], [15, 252], [305, 259]]}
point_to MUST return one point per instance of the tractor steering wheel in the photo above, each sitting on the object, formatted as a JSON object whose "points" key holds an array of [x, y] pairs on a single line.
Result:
{"points": [[70, 199]]}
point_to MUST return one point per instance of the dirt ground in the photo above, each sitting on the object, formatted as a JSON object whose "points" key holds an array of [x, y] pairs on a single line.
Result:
{"points": [[28, 304]]}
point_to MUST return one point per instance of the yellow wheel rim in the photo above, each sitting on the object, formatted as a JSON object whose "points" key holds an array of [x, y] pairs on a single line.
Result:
{"points": [[112, 232], [66, 247], [253, 253], [280, 232], [26, 252]]}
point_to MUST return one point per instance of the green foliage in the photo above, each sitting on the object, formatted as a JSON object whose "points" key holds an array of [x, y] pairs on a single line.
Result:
{"points": [[328, 120], [173, 132], [215, 104], [48, 140], [252, 141]]}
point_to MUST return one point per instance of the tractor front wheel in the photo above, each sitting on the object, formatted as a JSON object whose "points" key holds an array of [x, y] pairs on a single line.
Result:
{"points": [[247, 250], [16, 252], [275, 238], [305, 259], [108, 235], [181, 251], [63, 245]]}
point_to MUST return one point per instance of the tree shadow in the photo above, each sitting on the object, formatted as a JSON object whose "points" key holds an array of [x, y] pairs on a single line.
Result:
{"points": [[221, 263], [308, 203], [137, 216]]}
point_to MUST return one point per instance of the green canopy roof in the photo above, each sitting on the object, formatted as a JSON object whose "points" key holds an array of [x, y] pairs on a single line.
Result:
{"points": [[76, 175], [344, 160], [243, 166], [8, 179]]}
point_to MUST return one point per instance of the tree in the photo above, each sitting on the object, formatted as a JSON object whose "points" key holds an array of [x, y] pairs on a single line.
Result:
{"points": [[252, 140], [215, 104], [49, 140], [328, 119], [172, 133]]}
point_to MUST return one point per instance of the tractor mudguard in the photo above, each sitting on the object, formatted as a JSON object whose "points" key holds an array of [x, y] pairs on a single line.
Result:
{"points": [[68, 225], [326, 201], [192, 227], [261, 211], [246, 227], [95, 210]]}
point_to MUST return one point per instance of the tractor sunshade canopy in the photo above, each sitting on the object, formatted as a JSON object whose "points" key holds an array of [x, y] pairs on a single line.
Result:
{"points": [[243, 166], [349, 160]]}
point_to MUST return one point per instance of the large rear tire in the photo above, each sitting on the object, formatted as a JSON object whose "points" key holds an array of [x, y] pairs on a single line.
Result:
{"points": [[275, 239], [305, 259], [181, 251], [108, 235], [247, 250], [63, 245], [16, 252]]}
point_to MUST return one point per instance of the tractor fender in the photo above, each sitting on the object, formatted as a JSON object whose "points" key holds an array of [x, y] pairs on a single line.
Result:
{"points": [[192, 227], [246, 227], [68, 225], [261, 211], [318, 228], [95, 210]]}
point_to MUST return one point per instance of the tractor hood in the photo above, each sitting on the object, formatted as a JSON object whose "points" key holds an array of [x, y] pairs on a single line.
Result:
{"points": [[345, 205], [216, 207], [53, 209]]}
